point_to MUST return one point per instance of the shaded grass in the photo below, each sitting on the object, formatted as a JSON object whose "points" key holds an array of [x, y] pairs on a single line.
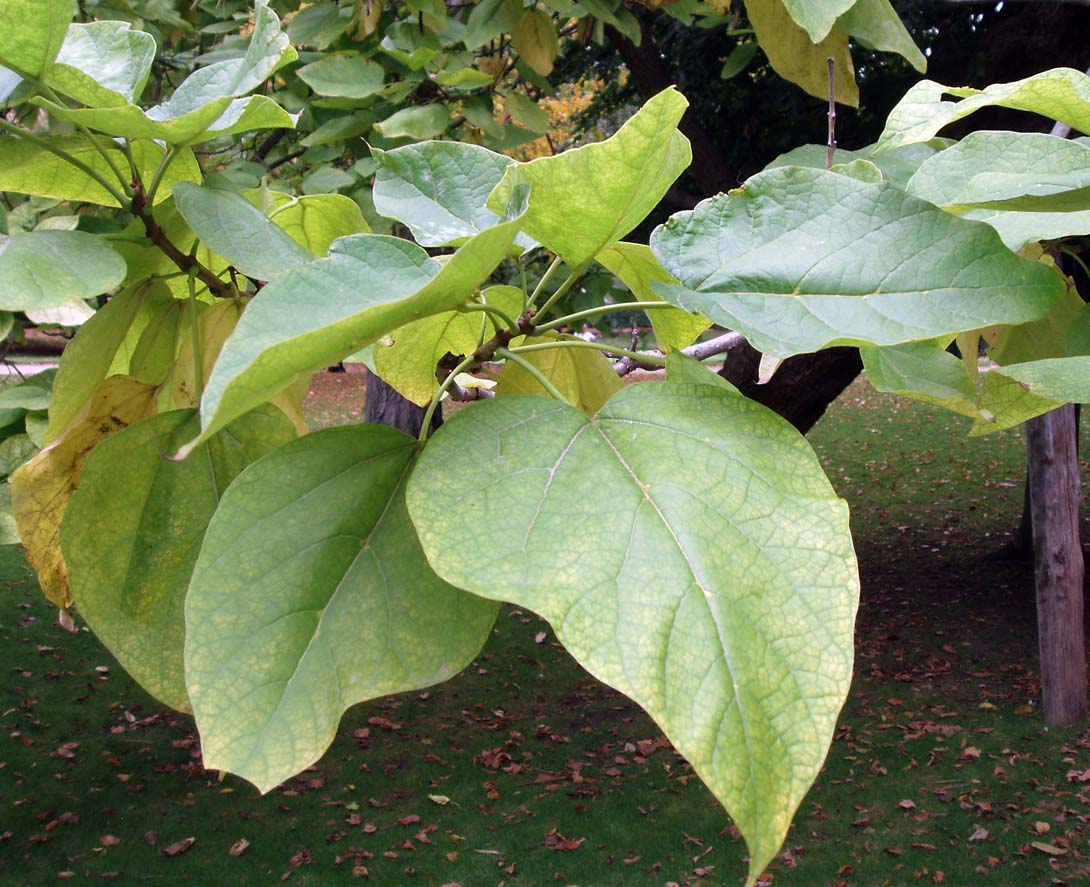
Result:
{"points": [[942, 770]]}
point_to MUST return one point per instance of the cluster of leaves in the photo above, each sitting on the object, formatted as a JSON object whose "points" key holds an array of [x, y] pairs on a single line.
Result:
{"points": [[267, 581], [1031, 188]]}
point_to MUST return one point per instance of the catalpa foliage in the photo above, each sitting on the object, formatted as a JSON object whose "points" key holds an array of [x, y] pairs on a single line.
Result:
{"points": [[267, 578]]}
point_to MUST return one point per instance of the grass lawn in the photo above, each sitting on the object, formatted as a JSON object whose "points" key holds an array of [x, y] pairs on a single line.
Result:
{"points": [[525, 771]]}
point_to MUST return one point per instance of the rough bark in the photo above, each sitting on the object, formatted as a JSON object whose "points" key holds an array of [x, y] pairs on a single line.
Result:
{"points": [[803, 386], [1054, 503], [385, 406]]}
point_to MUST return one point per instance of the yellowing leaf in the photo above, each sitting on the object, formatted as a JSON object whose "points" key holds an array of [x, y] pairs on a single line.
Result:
{"points": [[41, 488], [794, 57], [583, 375], [535, 40]]}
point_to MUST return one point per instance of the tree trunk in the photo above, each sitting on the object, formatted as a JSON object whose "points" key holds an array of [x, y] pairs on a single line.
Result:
{"points": [[386, 407], [802, 388], [1054, 504]]}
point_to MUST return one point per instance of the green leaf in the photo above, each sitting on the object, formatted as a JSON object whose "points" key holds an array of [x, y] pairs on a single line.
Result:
{"points": [[584, 376], [347, 74], [439, 189], [465, 79], [44, 269], [418, 122], [800, 259], [1047, 337], [103, 64], [207, 102], [237, 230], [27, 168], [798, 58], [326, 180], [609, 187], [995, 169], [30, 394], [638, 269], [319, 24], [876, 25], [681, 368], [311, 594], [817, 17], [219, 117], [408, 363], [898, 165], [738, 60], [132, 532], [70, 314], [705, 584], [41, 488], [525, 112], [35, 423], [1057, 379], [1059, 94], [924, 371], [489, 19], [535, 40], [33, 33], [863, 170], [15, 451], [314, 221], [316, 314]]}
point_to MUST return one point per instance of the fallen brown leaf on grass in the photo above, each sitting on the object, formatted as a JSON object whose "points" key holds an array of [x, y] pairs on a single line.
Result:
{"points": [[556, 841], [239, 847], [178, 847]]}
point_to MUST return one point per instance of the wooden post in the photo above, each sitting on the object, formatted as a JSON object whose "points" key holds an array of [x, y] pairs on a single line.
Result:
{"points": [[1054, 502]]}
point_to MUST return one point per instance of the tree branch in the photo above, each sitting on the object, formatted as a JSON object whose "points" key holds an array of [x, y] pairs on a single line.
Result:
{"points": [[699, 351]]}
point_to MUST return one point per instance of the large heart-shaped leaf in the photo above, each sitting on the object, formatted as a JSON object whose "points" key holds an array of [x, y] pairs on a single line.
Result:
{"points": [[103, 64], [234, 228], [438, 189], [311, 594], [44, 269], [713, 580], [30, 168], [1059, 94], [42, 487], [133, 529], [321, 312], [34, 31], [583, 200], [802, 259]]}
